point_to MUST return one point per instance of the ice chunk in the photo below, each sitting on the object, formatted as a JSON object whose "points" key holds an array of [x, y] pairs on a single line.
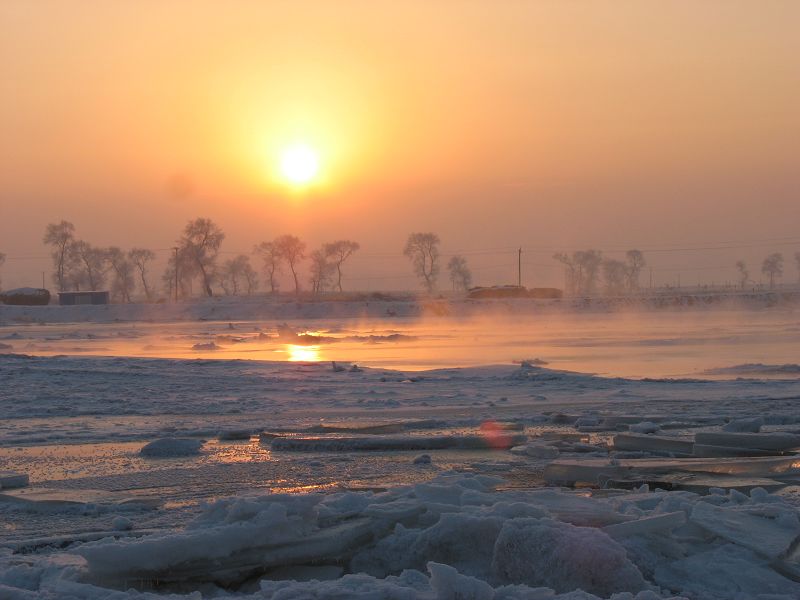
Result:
{"points": [[536, 451], [707, 451], [423, 459], [644, 427], [543, 552], [409, 442], [56, 499], [122, 524], [449, 584], [769, 537], [234, 435], [356, 427], [662, 522], [726, 572], [652, 443], [12, 479], [761, 441], [225, 552], [752, 425], [172, 447], [569, 472], [205, 347]]}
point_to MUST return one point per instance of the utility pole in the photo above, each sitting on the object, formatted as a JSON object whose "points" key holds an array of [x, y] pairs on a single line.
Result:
{"points": [[175, 248], [519, 267], [42, 279], [651, 278]]}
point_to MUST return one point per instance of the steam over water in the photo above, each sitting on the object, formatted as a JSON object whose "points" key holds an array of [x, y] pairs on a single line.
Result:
{"points": [[657, 344]]}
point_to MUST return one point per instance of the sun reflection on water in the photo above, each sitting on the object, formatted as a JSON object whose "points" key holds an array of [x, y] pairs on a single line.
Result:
{"points": [[303, 353]]}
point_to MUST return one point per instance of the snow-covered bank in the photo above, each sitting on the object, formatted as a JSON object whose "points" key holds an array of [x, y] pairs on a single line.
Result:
{"points": [[375, 306]]}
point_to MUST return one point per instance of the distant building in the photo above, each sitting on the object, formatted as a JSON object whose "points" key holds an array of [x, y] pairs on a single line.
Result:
{"points": [[73, 298], [26, 297]]}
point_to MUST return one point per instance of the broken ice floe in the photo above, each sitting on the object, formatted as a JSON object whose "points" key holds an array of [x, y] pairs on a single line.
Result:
{"points": [[172, 447], [12, 479], [455, 537], [385, 443]]}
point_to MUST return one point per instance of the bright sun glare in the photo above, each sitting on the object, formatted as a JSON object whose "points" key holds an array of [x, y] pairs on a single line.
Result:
{"points": [[299, 164]]}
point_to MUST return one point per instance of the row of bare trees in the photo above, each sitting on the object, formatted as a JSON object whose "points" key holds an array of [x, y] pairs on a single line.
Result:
{"points": [[422, 249], [771, 266], [78, 265], [585, 269]]}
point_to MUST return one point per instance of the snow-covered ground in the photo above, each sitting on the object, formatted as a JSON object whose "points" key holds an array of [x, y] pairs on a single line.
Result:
{"points": [[232, 457]]}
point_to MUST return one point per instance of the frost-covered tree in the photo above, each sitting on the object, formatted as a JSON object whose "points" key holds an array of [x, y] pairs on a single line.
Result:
{"points": [[460, 275], [200, 241], [123, 279], [773, 267], [744, 274], [322, 270], [337, 252], [616, 276], [237, 275], [292, 250], [59, 236], [581, 270], [422, 249], [141, 258], [589, 262], [570, 272], [271, 259], [87, 266], [633, 268]]}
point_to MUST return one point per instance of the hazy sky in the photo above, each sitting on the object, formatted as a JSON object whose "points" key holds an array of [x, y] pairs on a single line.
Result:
{"points": [[551, 125]]}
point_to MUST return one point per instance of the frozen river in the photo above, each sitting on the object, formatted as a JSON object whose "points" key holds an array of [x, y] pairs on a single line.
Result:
{"points": [[447, 434]]}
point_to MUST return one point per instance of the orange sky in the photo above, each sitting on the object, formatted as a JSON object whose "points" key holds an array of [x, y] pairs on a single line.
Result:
{"points": [[549, 124]]}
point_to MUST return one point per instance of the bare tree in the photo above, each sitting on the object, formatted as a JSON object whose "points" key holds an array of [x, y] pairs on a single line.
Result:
{"points": [[59, 236], [570, 272], [616, 275], [87, 265], [123, 281], [2, 262], [272, 259], [201, 240], [773, 266], [321, 270], [633, 268], [589, 262], [581, 270], [292, 250], [338, 252], [141, 258], [237, 274], [460, 275], [422, 249], [744, 274]]}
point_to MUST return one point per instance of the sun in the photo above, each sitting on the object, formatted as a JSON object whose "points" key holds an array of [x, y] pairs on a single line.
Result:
{"points": [[299, 164]]}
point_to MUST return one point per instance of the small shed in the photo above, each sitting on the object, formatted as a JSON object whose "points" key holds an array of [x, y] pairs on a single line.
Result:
{"points": [[74, 298]]}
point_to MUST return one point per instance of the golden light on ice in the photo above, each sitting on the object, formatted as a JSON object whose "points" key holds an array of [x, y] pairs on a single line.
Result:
{"points": [[299, 164]]}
